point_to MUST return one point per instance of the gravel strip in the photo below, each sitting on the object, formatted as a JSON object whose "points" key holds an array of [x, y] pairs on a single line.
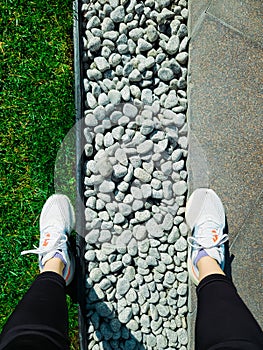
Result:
{"points": [[135, 59]]}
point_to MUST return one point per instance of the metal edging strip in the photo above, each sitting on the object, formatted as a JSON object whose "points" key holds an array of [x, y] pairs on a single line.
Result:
{"points": [[80, 222]]}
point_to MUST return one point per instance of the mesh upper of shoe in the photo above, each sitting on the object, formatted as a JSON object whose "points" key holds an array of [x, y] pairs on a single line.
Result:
{"points": [[210, 237], [52, 241]]}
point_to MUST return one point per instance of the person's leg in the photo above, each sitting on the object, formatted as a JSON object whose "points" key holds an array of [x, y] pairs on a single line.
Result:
{"points": [[40, 321], [41, 317], [223, 321]]}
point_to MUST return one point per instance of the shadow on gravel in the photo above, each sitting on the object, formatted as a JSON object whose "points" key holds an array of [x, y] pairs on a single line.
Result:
{"points": [[98, 317]]}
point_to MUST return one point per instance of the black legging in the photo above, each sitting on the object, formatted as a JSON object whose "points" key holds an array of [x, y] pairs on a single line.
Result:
{"points": [[223, 321], [40, 321]]}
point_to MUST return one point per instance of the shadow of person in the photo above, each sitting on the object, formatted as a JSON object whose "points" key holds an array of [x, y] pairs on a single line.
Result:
{"points": [[228, 258], [105, 328], [100, 326]]}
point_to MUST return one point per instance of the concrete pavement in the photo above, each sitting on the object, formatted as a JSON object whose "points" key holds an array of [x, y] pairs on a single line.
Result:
{"points": [[225, 122]]}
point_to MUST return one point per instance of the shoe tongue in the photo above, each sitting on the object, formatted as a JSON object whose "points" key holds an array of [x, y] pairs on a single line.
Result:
{"points": [[208, 233], [209, 227], [51, 237]]}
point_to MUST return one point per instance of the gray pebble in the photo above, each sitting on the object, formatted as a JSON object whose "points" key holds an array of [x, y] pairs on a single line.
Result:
{"points": [[92, 236], [136, 33], [171, 100], [118, 218], [151, 33], [153, 228], [105, 236], [114, 96], [167, 222], [107, 186], [107, 24], [94, 44], [182, 336], [146, 190], [95, 275], [135, 91], [125, 209], [147, 96], [142, 175], [166, 258], [163, 310], [119, 171], [142, 216], [118, 14], [147, 127], [101, 63], [137, 205], [130, 110], [114, 60], [173, 45], [135, 76], [125, 315], [145, 147], [182, 57], [181, 244], [179, 188], [143, 45], [126, 93], [136, 192], [123, 285], [139, 232], [182, 289], [115, 266], [182, 276], [165, 74]]}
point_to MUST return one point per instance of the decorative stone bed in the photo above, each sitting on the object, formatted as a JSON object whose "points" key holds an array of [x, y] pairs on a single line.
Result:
{"points": [[134, 59]]}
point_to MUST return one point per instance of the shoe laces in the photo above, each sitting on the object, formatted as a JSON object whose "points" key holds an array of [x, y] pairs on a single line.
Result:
{"points": [[208, 235], [51, 239]]}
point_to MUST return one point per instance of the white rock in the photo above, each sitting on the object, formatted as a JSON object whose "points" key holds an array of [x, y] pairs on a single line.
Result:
{"points": [[154, 229], [179, 188], [142, 216], [118, 218], [137, 205], [107, 186], [142, 175], [146, 190], [108, 140], [101, 63], [121, 156], [119, 171], [118, 14], [173, 45], [145, 147], [125, 209]]}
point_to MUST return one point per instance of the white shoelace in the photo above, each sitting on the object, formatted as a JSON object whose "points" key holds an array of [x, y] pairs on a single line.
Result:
{"points": [[205, 240], [56, 241]]}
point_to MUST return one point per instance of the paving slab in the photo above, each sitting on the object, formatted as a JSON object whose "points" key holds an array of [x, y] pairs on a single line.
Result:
{"points": [[197, 10], [243, 15], [247, 251], [225, 122]]}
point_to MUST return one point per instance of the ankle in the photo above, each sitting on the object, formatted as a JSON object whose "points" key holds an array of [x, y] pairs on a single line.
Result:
{"points": [[54, 265], [208, 266]]}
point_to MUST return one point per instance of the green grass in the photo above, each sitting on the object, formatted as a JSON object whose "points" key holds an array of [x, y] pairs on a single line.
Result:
{"points": [[36, 112]]}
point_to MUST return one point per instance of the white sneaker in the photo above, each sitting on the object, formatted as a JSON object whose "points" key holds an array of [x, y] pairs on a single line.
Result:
{"points": [[57, 220], [205, 215]]}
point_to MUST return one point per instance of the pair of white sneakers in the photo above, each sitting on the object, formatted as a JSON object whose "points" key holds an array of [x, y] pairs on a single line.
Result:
{"points": [[205, 216]]}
